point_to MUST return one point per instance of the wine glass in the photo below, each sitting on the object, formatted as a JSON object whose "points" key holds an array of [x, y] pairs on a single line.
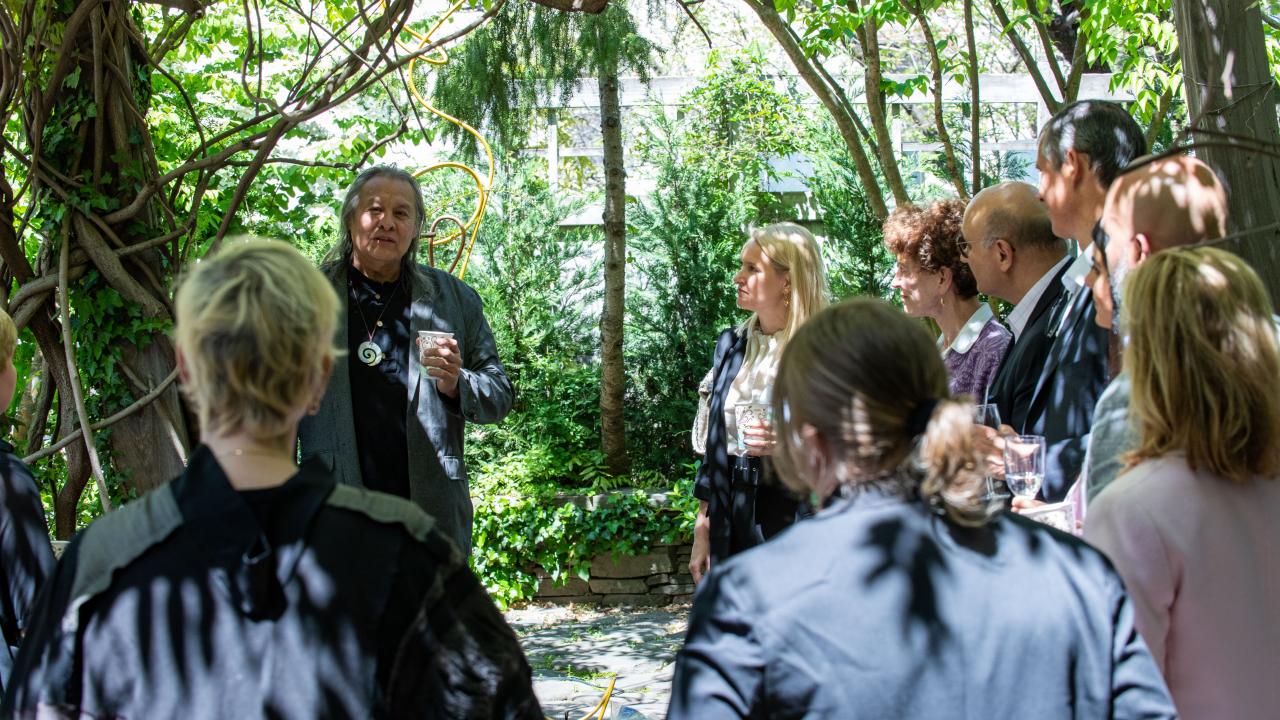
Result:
{"points": [[988, 415], [1024, 457]]}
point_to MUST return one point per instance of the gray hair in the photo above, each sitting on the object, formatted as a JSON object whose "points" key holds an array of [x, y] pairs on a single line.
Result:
{"points": [[341, 250], [1103, 130]]}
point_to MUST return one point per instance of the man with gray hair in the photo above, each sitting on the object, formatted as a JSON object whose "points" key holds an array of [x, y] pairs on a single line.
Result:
{"points": [[1014, 256], [1082, 150], [421, 360]]}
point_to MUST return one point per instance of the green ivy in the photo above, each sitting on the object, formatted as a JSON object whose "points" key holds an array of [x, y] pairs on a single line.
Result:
{"points": [[515, 535]]}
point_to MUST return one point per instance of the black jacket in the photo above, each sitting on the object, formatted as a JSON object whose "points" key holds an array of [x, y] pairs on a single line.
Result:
{"points": [[307, 600], [26, 558], [1025, 360], [1050, 381], [1075, 374], [713, 481]]}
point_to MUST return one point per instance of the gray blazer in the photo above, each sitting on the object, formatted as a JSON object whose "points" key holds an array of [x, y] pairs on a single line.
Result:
{"points": [[434, 424]]}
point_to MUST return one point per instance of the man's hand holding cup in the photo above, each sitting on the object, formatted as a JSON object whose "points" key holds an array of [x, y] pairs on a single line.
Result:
{"points": [[438, 354]]}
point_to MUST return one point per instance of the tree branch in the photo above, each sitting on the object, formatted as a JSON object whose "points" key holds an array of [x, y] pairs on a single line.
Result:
{"points": [[1027, 60], [935, 65], [975, 137], [77, 392], [1046, 43], [134, 407]]}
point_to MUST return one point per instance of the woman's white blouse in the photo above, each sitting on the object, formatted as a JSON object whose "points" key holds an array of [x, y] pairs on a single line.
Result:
{"points": [[754, 382]]}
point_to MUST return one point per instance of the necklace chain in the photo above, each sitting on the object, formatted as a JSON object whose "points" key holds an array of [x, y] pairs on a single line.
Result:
{"points": [[386, 305]]}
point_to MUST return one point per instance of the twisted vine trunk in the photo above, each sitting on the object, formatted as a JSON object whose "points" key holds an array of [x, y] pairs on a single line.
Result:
{"points": [[83, 112], [613, 438]]}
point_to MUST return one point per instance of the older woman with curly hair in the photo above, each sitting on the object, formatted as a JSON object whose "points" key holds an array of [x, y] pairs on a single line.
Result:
{"points": [[936, 283]]}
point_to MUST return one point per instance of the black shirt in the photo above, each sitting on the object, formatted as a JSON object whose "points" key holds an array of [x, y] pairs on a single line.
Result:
{"points": [[380, 393], [26, 558], [306, 600]]}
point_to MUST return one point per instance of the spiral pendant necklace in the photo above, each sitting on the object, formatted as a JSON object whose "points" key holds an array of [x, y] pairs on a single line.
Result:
{"points": [[369, 352]]}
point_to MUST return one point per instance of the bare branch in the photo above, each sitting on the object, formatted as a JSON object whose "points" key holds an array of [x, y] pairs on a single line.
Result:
{"points": [[591, 7], [1046, 43], [77, 392], [1028, 60], [685, 6], [134, 407], [935, 66], [975, 138]]}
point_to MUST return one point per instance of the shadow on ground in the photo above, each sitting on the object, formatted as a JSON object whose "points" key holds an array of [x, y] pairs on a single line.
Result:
{"points": [[575, 651]]}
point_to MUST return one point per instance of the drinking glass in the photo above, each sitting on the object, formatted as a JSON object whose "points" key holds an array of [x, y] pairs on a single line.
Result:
{"points": [[1024, 457], [752, 413], [988, 415]]}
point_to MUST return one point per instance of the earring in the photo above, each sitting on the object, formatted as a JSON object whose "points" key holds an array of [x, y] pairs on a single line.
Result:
{"points": [[314, 407]]}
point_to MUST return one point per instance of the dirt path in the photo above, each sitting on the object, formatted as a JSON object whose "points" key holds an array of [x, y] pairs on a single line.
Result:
{"points": [[575, 651]]}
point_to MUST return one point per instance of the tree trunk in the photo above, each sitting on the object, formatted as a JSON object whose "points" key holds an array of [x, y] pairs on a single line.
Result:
{"points": [[613, 437], [1230, 89], [935, 68], [878, 110], [975, 106], [832, 98], [149, 447]]}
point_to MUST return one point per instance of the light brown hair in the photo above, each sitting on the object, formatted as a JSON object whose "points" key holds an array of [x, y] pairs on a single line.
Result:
{"points": [[1203, 361], [8, 340], [861, 375], [255, 324]]}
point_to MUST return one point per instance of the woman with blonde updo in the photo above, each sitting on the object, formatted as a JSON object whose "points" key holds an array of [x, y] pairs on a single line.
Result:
{"points": [[1193, 524], [907, 596], [782, 283], [250, 587]]}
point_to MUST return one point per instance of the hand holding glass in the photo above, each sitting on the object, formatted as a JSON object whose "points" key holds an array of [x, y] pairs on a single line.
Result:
{"points": [[755, 422], [1024, 457]]}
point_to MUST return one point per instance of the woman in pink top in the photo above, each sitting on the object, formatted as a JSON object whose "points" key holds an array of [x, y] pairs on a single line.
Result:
{"points": [[1193, 525]]}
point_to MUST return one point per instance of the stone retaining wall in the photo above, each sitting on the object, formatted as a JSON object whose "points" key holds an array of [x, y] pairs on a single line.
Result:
{"points": [[653, 579]]}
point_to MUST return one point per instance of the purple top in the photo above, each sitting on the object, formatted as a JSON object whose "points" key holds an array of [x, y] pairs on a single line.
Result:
{"points": [[975, 355]]}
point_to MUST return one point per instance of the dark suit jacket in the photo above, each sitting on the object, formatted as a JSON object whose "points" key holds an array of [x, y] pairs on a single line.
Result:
{"points": [[1066, 393], [879, 608], [1019, 374]]}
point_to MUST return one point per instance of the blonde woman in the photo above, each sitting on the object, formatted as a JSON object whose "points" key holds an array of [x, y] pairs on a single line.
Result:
{"points": [[782, 283], [1192, 524], [907, 596], [250, 587]]}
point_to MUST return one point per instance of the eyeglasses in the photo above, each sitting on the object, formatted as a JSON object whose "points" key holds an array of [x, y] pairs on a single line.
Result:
{"points": [[965, 246]]}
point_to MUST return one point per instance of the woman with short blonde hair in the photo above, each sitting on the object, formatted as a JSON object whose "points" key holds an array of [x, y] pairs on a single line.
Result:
{"points": [[254, 302], [905, 596], [782, 282], [1192, 522], [249, 586]]}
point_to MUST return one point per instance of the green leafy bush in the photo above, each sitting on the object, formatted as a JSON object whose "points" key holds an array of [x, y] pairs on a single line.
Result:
{"points": [[513, 535]]}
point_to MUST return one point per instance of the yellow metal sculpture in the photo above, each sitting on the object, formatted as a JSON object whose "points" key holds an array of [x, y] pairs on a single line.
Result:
{"points": [[466, 231]]}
